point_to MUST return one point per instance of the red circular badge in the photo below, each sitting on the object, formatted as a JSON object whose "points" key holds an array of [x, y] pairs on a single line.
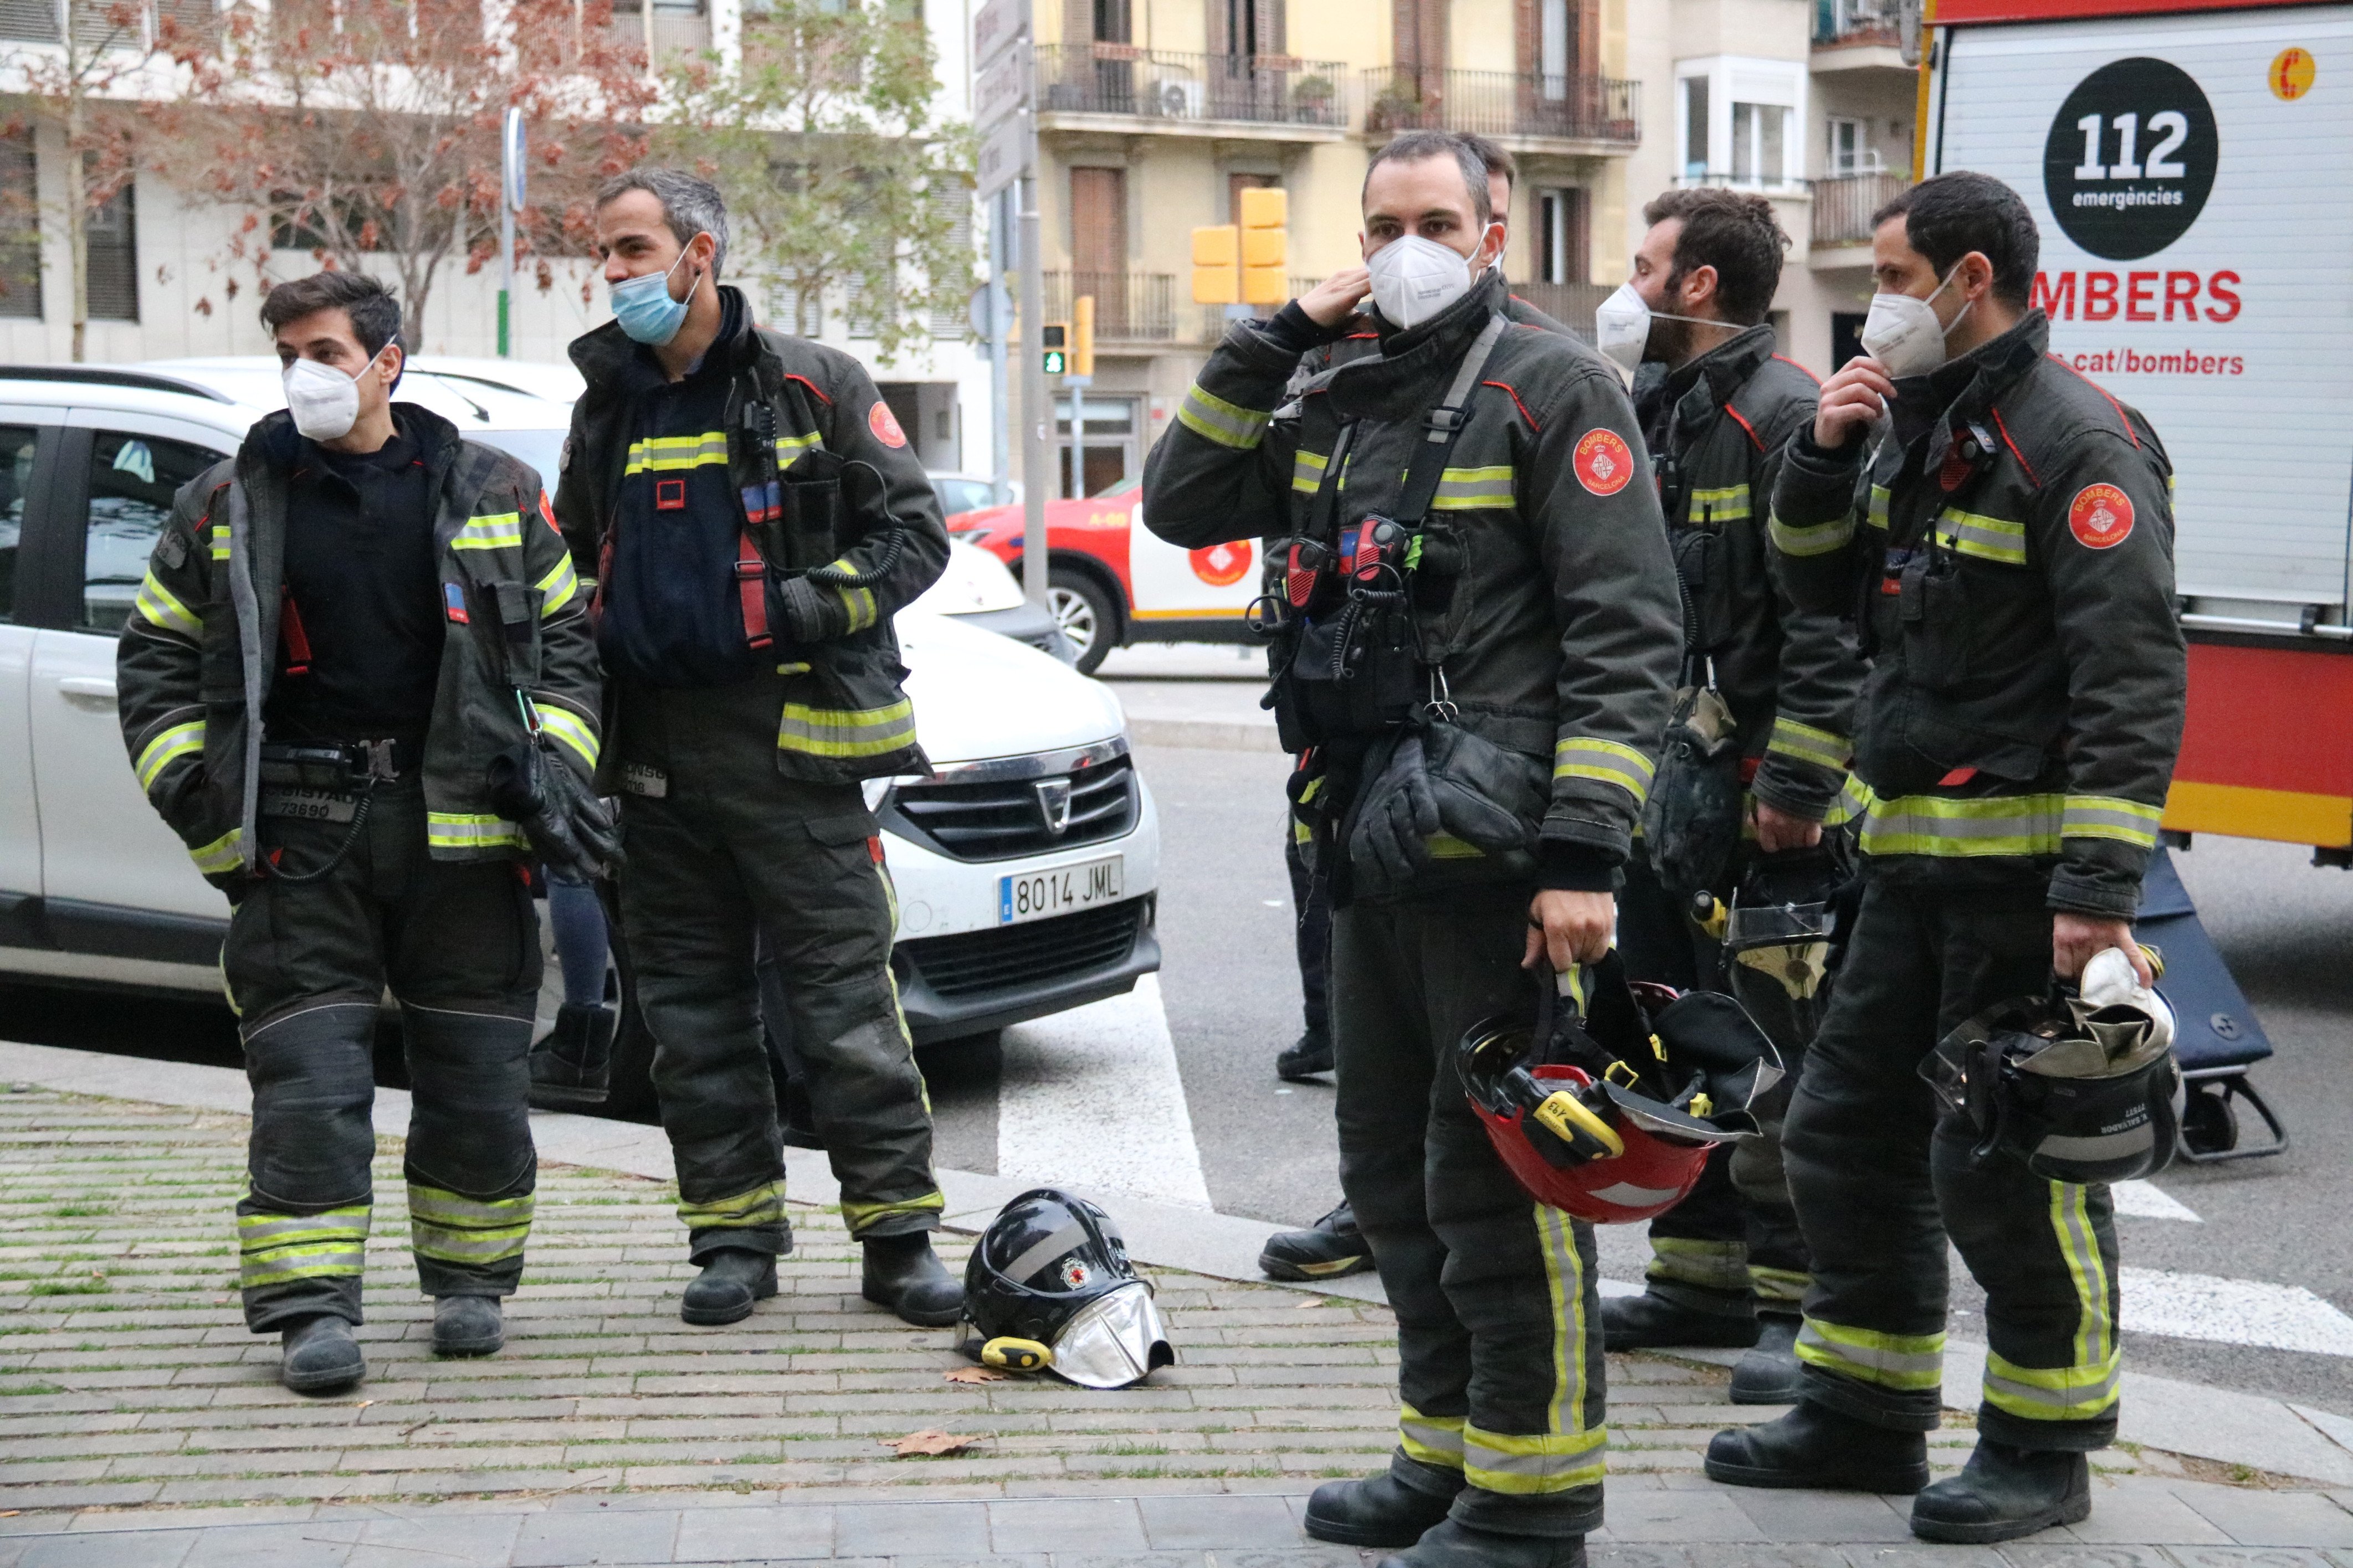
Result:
{"points": [[885, 424], [1603, 464], [1222, 565], [2100, 517]]}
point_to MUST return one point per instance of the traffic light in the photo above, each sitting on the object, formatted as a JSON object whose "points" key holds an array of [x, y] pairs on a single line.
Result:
{"points": [[1218, 265], [1082, 335], [1265, 246], [1054, 338]]}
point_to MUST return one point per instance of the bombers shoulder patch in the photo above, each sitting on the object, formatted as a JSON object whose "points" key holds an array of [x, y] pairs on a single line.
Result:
{"points": [[1602, 462], [2100, 517], [885, 424]]}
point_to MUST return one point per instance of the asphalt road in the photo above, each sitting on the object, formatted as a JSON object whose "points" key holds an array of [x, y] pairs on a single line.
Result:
{"points": [[1266, 1149]]}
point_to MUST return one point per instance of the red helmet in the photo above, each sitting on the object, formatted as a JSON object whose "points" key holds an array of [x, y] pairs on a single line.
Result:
{"points": [[1595, 1112]]}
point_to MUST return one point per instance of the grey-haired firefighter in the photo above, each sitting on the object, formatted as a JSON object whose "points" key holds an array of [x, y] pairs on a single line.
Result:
{"points": [[2001, 530], [1738, 813], [756, 516], [359, 683], [1476, 639]]}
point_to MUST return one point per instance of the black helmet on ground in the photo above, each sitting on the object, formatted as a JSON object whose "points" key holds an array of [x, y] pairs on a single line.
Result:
{"points": [[1049, 1285]]}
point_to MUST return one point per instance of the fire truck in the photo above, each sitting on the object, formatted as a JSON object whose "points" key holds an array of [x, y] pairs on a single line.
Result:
{"points": [[2190, 165]]}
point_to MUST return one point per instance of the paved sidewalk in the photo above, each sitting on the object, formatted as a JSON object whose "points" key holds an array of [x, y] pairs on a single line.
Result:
{"points": [[140, 1423]]}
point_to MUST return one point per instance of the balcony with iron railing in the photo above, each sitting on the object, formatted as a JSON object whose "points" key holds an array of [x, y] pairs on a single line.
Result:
{"points": [[1530, 106], [1130, 307], [1843, 204], [1863, 29], [1570, 304], [1176, 88]]}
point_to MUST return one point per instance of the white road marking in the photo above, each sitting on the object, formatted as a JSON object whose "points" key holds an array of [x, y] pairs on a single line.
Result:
{"points": [[2233, 1312], [2149, 1201], [1092, 1098]]}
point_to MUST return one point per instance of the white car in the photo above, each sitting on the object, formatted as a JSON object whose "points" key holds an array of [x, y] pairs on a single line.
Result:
{"points": [[1026, 865]]}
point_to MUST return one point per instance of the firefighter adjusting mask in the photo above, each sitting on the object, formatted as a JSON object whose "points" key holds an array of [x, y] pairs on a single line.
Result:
{"points": [[645, 309], [326, 402], [1050, 1287], [1903, 335], [1415, 278]]}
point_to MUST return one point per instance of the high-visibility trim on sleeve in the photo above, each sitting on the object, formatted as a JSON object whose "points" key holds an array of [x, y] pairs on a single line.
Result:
{"points": [[224, 854], [570, 729], [858, 601], [159, 608], [462, 830], [1909, 1363], [846, 731], [170, 746], [1605, 761], [559, 587], [1729, 504], [493, 530], [1812, 538], [1823, 748], [2110, 816], [1212, 418]]}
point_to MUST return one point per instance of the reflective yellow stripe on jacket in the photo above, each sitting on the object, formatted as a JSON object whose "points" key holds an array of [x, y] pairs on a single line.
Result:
{"points": [[460, 830], [159, 608], [1474, 489], [558, 588], [1307, 470], [846, 731], [1823, 748], [663, 454], [224, 854], [1809, 539], [495, 531], [1729, 504], [1987, 538], [179, 741], [1212, 418], [2109, 816], [1934, 825], [1607, 762], [570, 729]]}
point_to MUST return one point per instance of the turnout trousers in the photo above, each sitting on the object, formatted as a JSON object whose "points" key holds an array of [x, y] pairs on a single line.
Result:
{"points": [[1732, 1245], [307, 964], [1881, 1180], [725, 852], [1500, 1384]]}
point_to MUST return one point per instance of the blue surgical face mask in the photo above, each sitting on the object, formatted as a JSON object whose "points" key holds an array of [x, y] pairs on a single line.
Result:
{"points": [[645, 309]]}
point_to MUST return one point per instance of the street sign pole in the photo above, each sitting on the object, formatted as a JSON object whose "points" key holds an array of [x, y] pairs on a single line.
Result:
{"points": [[1003, 104], [1000, 324], [1037, 403], [511, 178]]}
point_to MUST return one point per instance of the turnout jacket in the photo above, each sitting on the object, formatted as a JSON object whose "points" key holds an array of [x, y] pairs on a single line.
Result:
{"points": [[1558, 638], [1790, 674], [201, 650], [845, 716], [2004, 541]]}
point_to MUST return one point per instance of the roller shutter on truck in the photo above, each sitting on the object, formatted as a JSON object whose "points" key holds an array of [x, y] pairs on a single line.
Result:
{"points": [[2191, 171]]}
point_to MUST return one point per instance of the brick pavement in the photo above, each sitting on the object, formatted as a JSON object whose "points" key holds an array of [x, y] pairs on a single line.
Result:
{"points": [[140, 1421]]}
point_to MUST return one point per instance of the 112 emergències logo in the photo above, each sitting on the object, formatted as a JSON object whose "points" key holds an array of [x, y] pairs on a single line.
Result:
{"points": [[2130, 158]]}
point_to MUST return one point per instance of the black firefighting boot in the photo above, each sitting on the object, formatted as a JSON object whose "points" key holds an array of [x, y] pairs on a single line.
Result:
{"points": [[1770, 1373], [1818, 1448], [1330, 1248], [905, 1275], [1304, 1057], [320, 1356], [1381, 1511], [468, 1325], [2004, 1493], [1650, 1321], [573, 1066], [1453, 1544], [732, 1277]]}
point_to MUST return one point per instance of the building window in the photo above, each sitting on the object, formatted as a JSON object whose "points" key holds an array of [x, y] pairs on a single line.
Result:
{"points": [[1850, 151], [1695, 139], [1561, 236], [1760, 143], [20, 228], [112, 270], [1556, 45]]}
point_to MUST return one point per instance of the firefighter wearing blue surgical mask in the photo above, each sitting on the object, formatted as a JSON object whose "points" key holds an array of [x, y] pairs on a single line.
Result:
{"points": [[1778, 686]]}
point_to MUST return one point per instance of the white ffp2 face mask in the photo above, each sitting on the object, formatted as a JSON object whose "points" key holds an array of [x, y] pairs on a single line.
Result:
{"points": [[1903, 333], [326, 402], [1621, 327], [1415, 278]]}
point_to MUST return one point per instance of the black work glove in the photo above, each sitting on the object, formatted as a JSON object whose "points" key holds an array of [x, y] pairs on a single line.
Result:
{"points": [[1389, 843], [569, 828]]}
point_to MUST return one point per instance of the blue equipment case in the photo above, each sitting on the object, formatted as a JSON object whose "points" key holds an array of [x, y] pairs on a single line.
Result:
{"points": [[2216, 1035]]}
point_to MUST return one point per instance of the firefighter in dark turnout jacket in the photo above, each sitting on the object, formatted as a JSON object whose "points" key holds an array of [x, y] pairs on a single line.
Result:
{"points": [[1530, 620], [1728, 1259], [1999, 527], [359, 683], [755, 517]]}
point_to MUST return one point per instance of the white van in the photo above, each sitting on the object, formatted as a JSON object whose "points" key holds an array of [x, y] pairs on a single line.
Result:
{"points": [[1026, 865]]}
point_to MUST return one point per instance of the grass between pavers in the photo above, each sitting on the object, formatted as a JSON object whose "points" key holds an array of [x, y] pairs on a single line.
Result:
{"points": [[127, 1380]]}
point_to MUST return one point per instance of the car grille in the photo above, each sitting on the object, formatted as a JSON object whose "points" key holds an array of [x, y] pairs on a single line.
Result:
{"points": [[1009, 957], [996, 819]]}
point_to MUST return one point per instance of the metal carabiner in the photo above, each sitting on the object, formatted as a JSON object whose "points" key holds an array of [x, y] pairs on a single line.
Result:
{"points": [[1441, 707]]}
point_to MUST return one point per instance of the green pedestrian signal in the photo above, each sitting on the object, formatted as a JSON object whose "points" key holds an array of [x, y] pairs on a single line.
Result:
{"points": [[1054, 338]]}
